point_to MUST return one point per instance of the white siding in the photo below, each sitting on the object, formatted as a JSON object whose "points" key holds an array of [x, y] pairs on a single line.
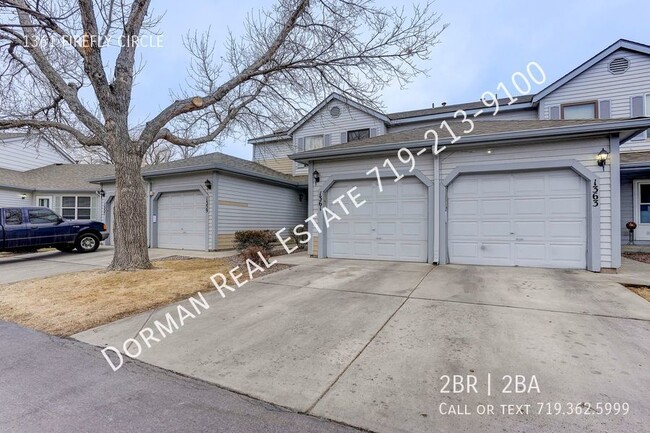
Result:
{"points": [[9, 197], [20, 155], [277, 150], [584, 151], [247, 204], [597, 83], [323, 123]]}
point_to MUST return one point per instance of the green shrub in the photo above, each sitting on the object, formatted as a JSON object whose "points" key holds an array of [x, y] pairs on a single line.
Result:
{"points": [[254, 238]]}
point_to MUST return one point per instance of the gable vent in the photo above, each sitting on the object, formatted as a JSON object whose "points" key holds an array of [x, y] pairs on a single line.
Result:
{"points": [[619, 65]]}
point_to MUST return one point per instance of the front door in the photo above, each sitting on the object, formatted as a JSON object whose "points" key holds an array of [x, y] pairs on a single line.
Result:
{"points": [[44, 202], [642, 209]]}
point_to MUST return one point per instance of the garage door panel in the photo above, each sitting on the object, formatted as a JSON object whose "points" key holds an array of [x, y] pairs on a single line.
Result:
{"points": [[495, 185], [495, 228], [574, 206], [495, 207], [392, 225], [542, 221], [566, 230], [459, 229], [529, 206], [463, 208], [530, 228]]}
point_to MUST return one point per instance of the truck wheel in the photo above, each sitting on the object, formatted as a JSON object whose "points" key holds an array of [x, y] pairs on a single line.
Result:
{"points": [[65, 248], [87, 243]]}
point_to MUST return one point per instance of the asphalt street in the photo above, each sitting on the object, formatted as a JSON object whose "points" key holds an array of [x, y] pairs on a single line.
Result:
{"points": [[50, 384]]}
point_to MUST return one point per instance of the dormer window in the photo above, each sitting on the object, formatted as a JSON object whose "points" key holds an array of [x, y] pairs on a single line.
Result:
{"points": [[359, 134], [580, 110]]}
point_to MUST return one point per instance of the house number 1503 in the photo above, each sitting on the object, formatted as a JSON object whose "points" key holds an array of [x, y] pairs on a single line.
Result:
{"points": [[594, 196]]}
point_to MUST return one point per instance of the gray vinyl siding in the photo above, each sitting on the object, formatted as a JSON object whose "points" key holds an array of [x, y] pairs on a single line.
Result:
{"points": [[627, 207], [21, 155], [246, 204], [323, 123], [276, 150], [597, 83], [13, 198], [583, 151]]}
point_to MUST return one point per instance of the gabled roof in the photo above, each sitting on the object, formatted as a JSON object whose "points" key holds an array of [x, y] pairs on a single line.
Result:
{"points": [[344, 100], [58, 149], [485, 132], [620, 44]]}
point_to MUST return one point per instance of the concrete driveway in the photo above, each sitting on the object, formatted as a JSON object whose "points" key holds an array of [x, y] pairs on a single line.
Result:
{"points": [[45, 264], [366, 343]]}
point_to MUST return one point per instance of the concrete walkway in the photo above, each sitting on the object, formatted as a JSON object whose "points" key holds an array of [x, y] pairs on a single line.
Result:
{"points": [[54, 385], [368, 343]]}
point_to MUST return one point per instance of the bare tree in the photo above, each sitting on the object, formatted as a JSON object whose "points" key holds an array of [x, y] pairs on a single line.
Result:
{"points": [[57, 73]]}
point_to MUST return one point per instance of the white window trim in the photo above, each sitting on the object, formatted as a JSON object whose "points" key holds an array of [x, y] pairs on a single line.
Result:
{"points": [[636, 191], [76, 206], [49, 197]]}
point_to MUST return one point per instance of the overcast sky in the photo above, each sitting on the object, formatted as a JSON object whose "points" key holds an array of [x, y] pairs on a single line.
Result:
{"points": [[485, 43]]}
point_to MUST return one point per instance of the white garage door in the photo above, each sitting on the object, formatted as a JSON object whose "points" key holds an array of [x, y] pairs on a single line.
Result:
{"points": [[181, 220], [518, 219], [391, 225]]}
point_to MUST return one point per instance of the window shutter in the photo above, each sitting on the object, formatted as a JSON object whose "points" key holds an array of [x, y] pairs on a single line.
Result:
{"points": [[301, 144], [344, 137], [604, 109], [636, 110], [554, 112], [373, 132], [326, 140]]}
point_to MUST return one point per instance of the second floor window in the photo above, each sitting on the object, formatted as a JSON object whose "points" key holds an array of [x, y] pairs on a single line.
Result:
{"points": [[358, 134], [582, 110], [313, 142]]}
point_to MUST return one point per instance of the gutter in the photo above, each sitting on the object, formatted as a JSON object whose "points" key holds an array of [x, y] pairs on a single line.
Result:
{"points": [[502, 137]]}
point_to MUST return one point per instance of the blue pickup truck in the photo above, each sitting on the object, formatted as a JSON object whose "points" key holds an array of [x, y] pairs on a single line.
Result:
{"points": [[24, 228]]}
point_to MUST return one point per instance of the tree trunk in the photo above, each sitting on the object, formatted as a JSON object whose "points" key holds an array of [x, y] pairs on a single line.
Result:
{"points": [[130, 212]]}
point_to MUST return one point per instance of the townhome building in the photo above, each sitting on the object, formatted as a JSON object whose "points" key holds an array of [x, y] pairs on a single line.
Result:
{"points": [[545, 180]]}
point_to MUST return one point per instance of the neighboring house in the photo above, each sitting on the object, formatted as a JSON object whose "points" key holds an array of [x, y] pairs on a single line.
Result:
{"points": [[200, 202], [36, 172], [523, 188], [197, 203]]}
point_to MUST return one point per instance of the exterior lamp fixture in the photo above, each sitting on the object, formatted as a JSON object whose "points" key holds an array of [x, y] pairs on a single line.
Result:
{"points": [[208, 185], [316, 176], [23, 196], [101, 193], [602, 158]]}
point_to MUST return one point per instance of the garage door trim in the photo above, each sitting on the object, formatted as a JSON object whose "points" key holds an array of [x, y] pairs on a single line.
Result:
{"points": [[385, 175], [593, 215], [154, 211]]}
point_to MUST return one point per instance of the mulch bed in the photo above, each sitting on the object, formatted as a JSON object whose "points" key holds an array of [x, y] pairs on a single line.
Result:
{"points": [[639, 257]]}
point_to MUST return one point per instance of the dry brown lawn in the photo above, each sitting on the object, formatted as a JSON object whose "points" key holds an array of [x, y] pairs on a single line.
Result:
{"points": [[643, 291], [70, 303]]}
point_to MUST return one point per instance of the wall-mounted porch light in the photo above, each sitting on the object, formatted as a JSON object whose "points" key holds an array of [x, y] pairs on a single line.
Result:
{"points": [[23, 196], [316, 176], [101, 193], [208, 185], [602, 158]]}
